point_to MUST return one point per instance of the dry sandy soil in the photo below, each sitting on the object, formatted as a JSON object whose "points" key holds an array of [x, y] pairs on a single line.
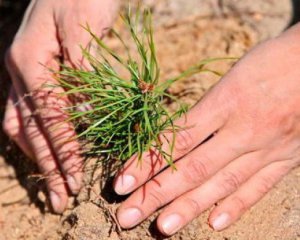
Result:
{"points": [[186, 32]]}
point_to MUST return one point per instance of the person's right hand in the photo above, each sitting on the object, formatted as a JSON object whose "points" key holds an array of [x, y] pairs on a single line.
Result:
{"points": [[235, 145], [35, 118]]}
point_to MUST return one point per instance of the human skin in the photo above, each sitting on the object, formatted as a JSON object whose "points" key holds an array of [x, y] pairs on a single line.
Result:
{"points": [[252, 117], [51, 31]]}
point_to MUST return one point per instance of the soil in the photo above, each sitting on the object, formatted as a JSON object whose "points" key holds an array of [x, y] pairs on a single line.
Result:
{"points": [[186, 31]]}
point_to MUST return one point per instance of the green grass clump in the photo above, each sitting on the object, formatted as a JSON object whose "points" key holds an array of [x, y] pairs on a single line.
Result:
{"points": [[126, 115]]}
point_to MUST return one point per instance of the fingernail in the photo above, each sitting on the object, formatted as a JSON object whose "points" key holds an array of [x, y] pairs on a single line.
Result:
{"points": [[74, 187], [125, 184], [221, 222], [172, 224], [130, 217], [55, 201]]}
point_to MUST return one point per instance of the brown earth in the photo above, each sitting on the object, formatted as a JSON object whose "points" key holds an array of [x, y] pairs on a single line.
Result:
{"points": [[186, 32]]}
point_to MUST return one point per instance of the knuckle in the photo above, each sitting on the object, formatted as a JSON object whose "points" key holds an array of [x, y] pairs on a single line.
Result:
{"points": [[48, 170], [193, 205], [9, 128], [13, 55], [152, 161], [6, 127], [184, 142], [286, 124], [239, 203], [156, 198], [265, 185], [243, 143], [230, 181], [195, 171]]}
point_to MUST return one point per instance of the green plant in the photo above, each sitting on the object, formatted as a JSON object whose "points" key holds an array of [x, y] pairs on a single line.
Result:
{"points": [[126, 116]]}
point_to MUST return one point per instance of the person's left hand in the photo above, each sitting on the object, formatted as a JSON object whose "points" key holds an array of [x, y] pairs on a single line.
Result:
{"points": [[35, 118], [251, 124]]}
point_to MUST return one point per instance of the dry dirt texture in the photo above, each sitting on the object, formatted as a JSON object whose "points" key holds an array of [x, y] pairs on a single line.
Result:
{"points": [[186, 32]]}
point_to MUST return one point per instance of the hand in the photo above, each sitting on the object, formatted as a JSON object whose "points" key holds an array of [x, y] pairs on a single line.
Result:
{"points": [[34, 117], [238, 142]]}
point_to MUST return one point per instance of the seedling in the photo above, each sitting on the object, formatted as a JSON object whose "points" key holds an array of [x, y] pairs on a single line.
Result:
{"points": [[124, 115]]}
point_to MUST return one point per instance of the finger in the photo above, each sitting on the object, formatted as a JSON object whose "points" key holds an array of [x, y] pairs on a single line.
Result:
{"points": [[12, 124], [61, 134], [46, 110], [29, 74], [199, 123], [232, 208], [190, 205], [192, 170], [44, 157]]}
